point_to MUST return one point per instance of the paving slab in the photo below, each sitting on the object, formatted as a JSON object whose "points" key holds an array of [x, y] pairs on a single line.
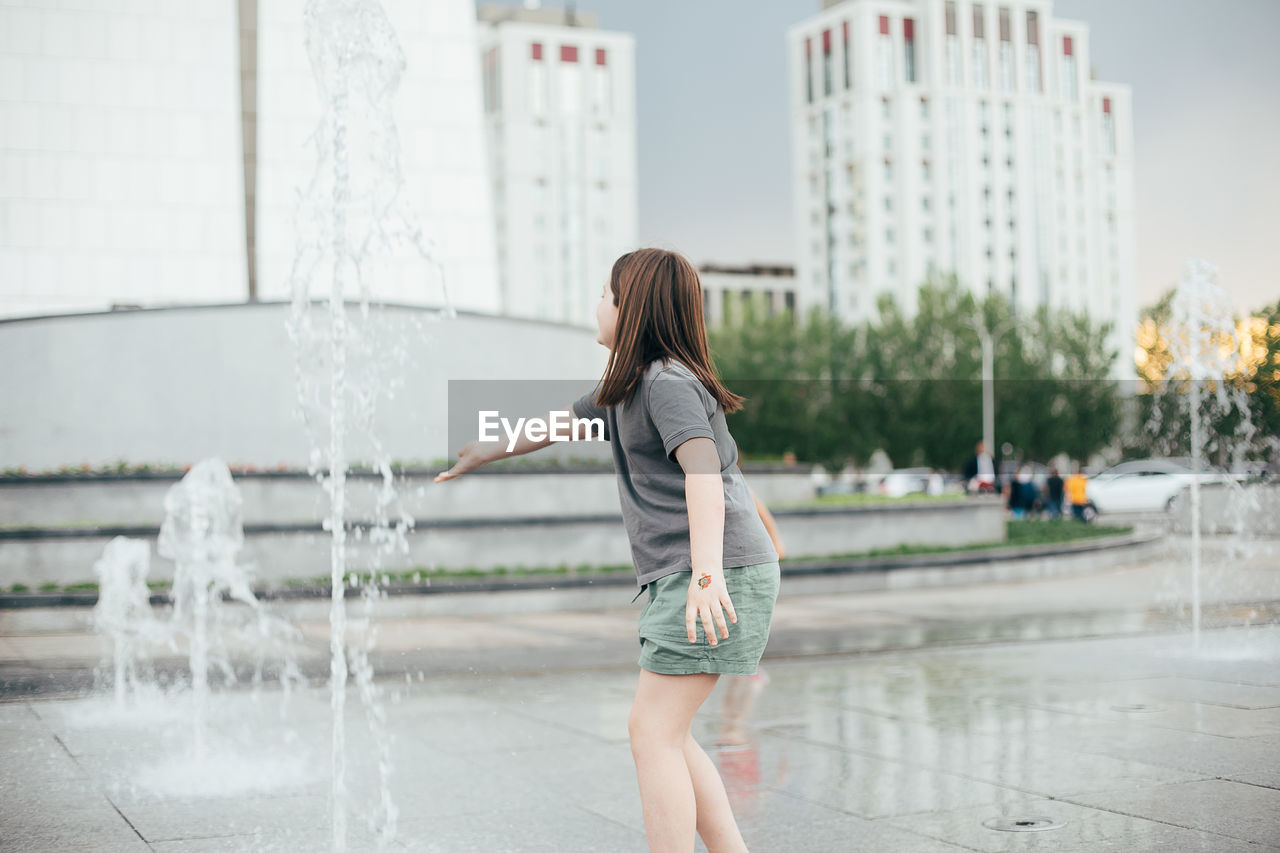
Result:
{"points": [[894, 721]]}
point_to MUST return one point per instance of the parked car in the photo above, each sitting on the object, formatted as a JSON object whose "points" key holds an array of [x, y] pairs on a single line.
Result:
{"points": [[905, 481], [1145, 485]]}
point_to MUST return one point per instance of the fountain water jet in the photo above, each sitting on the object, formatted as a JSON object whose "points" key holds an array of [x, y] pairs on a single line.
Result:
{"points": [[1203, 356], [351, 212]]}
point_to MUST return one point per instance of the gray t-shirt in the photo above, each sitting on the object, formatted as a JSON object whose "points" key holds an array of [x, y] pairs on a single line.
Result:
{"points": [[670, 407]]}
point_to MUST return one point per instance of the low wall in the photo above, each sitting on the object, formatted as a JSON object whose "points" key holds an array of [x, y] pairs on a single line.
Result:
{"points": [[1251, 511], [177, 385], [482, 521], [297, 499]]}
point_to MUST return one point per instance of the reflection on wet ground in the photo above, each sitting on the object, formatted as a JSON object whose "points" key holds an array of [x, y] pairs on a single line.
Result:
{"points": [[910, 720], [1133, 743]]}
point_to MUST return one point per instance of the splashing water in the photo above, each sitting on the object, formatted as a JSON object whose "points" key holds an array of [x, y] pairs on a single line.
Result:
{"points": [[202, 532], [350, 216], [123, 611], [1203, 352]]}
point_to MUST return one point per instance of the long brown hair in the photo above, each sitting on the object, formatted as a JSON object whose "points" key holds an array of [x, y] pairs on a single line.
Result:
{"points": [[659, 300]]}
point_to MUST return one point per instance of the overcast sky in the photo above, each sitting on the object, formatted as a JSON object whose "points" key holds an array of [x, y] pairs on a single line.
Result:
{"points": [[714, 145]]}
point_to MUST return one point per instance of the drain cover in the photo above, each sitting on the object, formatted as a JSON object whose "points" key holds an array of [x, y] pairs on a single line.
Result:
{"points": [[1137, 708], [1033, 823]]}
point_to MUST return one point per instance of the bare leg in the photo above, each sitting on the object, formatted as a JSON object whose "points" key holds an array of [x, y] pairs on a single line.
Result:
{"points": [[659, 726], [716, 824]]}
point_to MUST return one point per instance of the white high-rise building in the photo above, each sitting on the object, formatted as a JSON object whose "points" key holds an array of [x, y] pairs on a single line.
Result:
{"points": [[120, 156], [436, 141], [153, 154], [941, 136], [559, 101]]}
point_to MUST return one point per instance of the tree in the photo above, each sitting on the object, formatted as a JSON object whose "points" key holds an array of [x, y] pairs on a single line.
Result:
{"points": [[834, 393]]}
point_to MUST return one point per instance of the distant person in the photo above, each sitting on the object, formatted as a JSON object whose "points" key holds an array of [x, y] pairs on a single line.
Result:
{"points": [[697, 541], [1053, 495], [1077, 493], [979, 472], [1022, 493]]}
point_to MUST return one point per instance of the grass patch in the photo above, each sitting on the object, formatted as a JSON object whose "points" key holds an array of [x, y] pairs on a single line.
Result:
{"points": [[1020, 533], [864, 499]]}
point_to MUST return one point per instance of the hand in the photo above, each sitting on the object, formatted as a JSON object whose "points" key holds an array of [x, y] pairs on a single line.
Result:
{"points": [[470, 457], [706, 602]]}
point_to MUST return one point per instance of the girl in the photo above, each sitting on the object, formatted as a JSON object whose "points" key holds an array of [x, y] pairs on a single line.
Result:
{"points": [[698, 544]]}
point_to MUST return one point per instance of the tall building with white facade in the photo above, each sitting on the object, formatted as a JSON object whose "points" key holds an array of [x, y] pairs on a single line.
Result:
{"points": [[949, 136], [120, 156], [726, 290], [153, 153], [436, 139], [559, 102]]}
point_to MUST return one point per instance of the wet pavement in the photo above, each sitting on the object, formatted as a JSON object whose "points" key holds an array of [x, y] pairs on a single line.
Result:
{"points": [[890, 721]]}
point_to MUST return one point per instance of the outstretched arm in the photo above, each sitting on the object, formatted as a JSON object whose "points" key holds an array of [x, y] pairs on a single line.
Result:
{"points": [[477, 453]]}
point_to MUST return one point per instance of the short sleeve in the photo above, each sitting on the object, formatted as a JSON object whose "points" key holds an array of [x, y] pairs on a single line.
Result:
{"points": [[585, 407], [677, 405]]}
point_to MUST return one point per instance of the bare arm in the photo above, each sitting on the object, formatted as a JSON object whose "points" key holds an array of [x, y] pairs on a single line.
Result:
{"points": [[477, 453], [704, 495], [769, 524]]}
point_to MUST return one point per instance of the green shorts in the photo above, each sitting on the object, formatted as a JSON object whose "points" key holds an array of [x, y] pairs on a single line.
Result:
{"points": [[664, 642]]}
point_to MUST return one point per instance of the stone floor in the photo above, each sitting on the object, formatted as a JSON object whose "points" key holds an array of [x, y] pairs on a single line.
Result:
{"points": [[1088, 705]]}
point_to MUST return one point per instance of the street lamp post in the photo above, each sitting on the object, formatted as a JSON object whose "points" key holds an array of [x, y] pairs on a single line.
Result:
{"points": [[988, 390], [988, 337]]}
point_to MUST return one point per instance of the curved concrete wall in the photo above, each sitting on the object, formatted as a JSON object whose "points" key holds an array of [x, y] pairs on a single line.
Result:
{"points": [[1252, 511], [177, 385]]}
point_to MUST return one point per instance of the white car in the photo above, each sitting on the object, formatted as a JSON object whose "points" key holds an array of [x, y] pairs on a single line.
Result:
{"points": [[1147, 485], [905, 481]]}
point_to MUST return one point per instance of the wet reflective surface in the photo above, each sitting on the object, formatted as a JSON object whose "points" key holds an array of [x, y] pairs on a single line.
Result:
{"points": [[909, 751], [905, 720]]}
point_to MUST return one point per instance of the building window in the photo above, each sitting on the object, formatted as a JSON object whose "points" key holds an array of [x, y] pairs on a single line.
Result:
{"points": [[1033, 52], [1006, 52], [808, 70], [888, 236], [537, 82], [924, 109], [848, 67], [928, 235], [492, 80], [601, 88], [924, 171], [570, 80], [924, 202], [885, 51], [1068, 74], [888, 203], [979, 47], [909, 46], [1108, 130], [888, 170], [954, 74], [826, 62], [886, 109]]}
